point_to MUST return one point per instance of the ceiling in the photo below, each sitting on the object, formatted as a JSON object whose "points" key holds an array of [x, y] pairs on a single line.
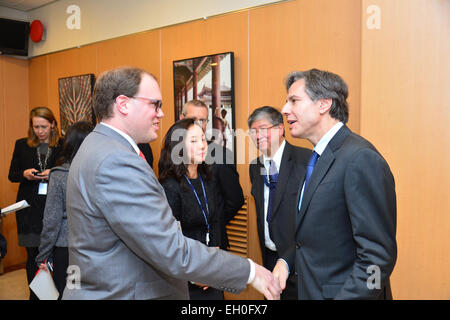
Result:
{"points": [[24, 5]]}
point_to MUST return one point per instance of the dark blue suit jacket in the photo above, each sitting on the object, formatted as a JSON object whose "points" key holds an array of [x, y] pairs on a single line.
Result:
{"points": [[345, 246]]}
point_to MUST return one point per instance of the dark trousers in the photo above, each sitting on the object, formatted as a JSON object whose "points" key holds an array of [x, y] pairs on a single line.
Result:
{"points": [[32, 268], [60, 264], [270, 260]]}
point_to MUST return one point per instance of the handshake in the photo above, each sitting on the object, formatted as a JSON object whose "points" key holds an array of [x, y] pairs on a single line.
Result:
{"points": [[271, 284]]}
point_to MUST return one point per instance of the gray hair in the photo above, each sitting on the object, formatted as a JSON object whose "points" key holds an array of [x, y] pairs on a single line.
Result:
{"points": [[194, 102], [324, 85], [268, 113]]}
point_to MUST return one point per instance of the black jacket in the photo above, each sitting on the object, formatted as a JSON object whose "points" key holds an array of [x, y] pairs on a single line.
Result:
{"points": [[292, 171], [227, 182], [187, 211], [3, 247], [29, 220]]}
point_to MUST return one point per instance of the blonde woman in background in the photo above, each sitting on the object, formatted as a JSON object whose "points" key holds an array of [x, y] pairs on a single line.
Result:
{"points": [[31, 162]]}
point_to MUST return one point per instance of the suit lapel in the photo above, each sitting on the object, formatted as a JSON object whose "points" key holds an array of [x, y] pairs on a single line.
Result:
{"points": [[320, 170], [283, 177], [99, 128], [259, 185]]}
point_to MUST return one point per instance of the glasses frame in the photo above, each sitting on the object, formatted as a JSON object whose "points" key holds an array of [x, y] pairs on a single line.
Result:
{"points": [[252, 132], [155, 102]]}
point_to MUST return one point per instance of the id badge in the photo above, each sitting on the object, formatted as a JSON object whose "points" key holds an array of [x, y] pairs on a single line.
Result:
{"points": [[43, 188]]}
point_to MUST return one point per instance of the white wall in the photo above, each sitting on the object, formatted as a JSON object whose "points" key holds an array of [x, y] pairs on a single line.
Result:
{"points": [[13, 14], [106, 19]]}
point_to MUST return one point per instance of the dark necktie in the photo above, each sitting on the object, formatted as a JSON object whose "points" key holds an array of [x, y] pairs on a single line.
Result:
{"points": [[309, 170], [270, 181]]}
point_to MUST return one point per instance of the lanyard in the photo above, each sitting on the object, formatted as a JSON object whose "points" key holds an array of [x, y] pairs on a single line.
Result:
{"points": [[199, 202], [45, 160]]}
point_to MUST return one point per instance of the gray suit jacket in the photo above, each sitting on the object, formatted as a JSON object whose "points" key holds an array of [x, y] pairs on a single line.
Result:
{"points": [[123, 236]]}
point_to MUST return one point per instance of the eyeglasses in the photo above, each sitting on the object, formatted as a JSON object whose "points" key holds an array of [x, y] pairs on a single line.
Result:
{"points": [[199, 121], [262, 131], [155, 102]]}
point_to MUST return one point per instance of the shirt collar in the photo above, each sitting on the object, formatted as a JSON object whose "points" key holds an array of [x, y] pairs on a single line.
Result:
{"points": [[323, 142], [123, 134], [276, 157]]}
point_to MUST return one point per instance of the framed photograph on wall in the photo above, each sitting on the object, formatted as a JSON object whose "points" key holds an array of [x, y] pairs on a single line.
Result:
{"points": [[211, 80], [75, 100]]}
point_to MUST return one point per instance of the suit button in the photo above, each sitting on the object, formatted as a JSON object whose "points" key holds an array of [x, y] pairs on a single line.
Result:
{"points": [[298, 245]]}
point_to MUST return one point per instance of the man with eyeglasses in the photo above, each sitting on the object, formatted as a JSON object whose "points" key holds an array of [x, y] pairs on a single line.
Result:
{"points": [[223, 168], [124, 242], [275, 178]]}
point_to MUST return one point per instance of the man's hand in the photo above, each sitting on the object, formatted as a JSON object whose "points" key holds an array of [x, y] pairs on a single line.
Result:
{"points": [[280, 271], [266, 283]]}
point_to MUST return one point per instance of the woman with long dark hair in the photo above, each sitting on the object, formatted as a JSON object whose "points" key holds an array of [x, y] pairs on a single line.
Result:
{"points": [[53, 248], [191, 191], [30, 166]]}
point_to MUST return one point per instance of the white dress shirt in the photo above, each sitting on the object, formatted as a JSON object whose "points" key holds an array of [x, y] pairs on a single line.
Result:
{"points": [[266, 161], [320, 147], [127, 137]]}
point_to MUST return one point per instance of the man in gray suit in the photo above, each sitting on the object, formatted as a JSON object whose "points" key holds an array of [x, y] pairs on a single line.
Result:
{"points": [[344, 246], [124, 242]]}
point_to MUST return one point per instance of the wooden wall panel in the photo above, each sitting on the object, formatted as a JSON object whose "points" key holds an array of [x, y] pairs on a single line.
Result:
{"points": [[68, 63], [397, 79], [141, 50], [405, 113], [214, 35], [300, 35], [14, 125], [38, 82]]}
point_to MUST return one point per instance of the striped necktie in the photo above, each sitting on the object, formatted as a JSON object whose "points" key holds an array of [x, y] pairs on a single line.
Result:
{"points": [[271, 181]]}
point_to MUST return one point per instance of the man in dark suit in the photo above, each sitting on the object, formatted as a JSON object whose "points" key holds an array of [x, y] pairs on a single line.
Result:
{"points": [[223, 168], [345, 246], [275, 193]]}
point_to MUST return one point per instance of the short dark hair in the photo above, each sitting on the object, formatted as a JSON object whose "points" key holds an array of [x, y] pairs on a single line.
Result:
{"points": [[72, 141], [166, 166], [324, 85], [113, 83], [269, 113]]}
